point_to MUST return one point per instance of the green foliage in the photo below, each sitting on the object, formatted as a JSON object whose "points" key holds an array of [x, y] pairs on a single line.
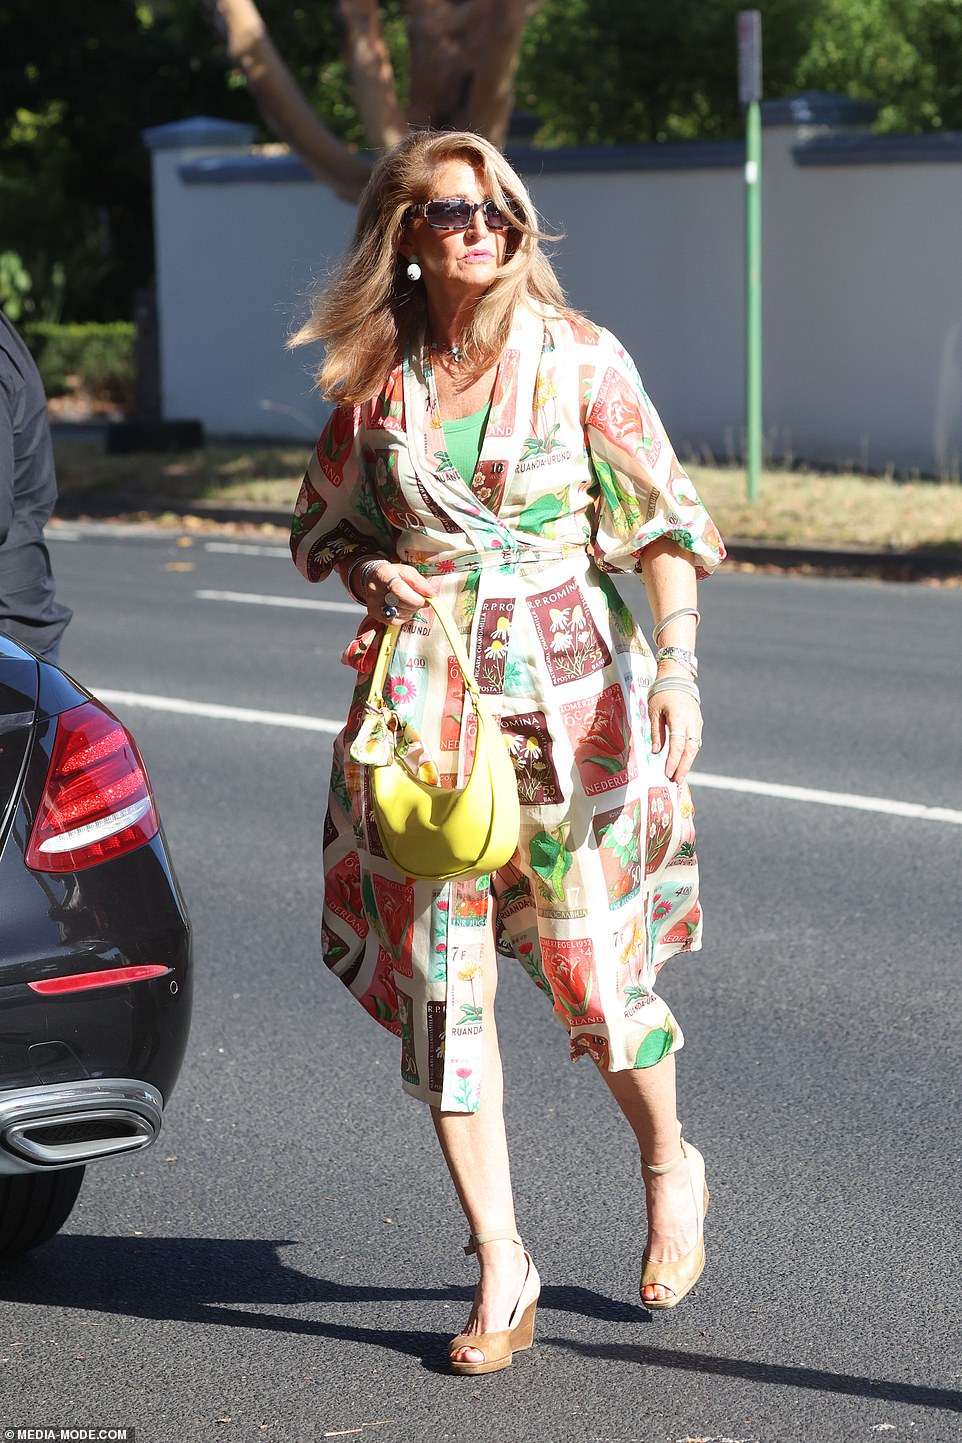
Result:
{"points": [[902, 53], [309, 38], [599, 71], [100, 358], [16, 284], [80, 83]]}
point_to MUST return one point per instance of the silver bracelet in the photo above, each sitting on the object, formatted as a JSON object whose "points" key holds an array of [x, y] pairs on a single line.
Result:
{"points": [[673, 683], [365, 560], [673, 616], [681, 654]]}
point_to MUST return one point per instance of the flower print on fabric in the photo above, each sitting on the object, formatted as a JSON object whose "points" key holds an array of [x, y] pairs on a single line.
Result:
{"points": [[618, 835], [661, 826], [600, 737], [380, 998], [337, 443], [342, 893], [569, 966], [575, 478], [409, 1061], [471, 972], [570, 641], [494, 634], [530, 747], [467, 1090]]}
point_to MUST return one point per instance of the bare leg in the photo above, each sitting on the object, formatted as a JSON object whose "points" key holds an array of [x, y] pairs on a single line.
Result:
{"points": [[476, 1151], [646, 1096]]}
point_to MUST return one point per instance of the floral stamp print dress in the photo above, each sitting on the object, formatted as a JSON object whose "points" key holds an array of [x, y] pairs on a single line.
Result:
{"points": [[576, 476]]}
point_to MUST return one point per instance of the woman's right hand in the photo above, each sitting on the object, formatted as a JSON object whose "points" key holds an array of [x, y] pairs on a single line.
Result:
{"points": [[378, 584]]}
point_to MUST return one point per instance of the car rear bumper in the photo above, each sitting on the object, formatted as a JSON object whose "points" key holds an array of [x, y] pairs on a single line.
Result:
{"points": [[126, 914]]}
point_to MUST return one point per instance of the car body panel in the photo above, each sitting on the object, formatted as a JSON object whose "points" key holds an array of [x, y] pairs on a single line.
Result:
{"points": [[125, 912]]}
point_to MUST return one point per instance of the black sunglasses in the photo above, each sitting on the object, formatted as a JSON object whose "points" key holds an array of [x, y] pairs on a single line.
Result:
{"points": [[458, 214]]}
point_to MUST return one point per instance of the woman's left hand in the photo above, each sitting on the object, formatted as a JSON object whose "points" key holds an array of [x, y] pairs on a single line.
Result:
{"points": [[675, 718]]}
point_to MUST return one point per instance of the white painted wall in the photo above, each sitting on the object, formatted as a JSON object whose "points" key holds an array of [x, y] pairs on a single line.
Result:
{"points": [[862, 286], [657, 257], [863, 311]]}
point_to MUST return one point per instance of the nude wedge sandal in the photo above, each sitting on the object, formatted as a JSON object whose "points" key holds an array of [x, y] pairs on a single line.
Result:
{"points": [[682, 1274], [498, 1348]]}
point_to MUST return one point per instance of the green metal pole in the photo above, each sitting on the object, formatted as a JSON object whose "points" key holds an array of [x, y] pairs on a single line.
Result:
{"points": [[753, 298]]}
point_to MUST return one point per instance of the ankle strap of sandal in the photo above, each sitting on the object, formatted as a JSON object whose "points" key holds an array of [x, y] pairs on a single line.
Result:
{"points": [[664, 1167], [477, 1240]]}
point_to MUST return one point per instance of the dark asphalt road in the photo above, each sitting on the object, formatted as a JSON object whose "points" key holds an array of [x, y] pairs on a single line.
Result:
{"points": [[286, 1263]]}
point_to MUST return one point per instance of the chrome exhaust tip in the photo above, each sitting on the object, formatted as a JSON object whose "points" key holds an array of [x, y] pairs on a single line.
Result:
{"points": [[77, 1137], [72, 1123]]}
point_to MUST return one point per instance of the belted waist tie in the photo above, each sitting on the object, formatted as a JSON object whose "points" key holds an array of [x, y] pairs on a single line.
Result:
{"points": [[506, 558]]}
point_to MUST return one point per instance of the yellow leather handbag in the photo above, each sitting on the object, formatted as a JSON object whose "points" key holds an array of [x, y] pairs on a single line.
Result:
{"points": [[435, 833]]}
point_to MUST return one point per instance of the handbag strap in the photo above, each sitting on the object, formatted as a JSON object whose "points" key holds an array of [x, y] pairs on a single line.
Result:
{"points": [[389, 640]]}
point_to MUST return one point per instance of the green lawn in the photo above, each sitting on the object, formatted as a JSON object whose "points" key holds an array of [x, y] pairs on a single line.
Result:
{"points": [[795, 507]]}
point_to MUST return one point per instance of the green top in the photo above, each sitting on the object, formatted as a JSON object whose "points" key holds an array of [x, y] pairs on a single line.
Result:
{"points": [[462, 441]]}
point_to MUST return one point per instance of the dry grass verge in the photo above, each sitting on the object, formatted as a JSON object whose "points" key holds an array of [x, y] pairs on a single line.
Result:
{"points": [[796, 508]]}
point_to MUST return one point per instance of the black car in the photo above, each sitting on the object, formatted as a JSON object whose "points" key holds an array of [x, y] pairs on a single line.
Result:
{"points": [[95, 947]]}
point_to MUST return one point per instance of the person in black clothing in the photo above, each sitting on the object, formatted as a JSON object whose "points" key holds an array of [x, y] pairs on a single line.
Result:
{"points": [[29, 610]]}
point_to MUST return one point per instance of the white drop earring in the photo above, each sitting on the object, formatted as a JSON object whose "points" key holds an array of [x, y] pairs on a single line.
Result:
{"points": [[413, 269]]}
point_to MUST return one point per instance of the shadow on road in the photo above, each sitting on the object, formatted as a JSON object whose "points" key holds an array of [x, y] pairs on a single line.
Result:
{"points": [[208, 1280], [816, 1379], [218, 1280]]}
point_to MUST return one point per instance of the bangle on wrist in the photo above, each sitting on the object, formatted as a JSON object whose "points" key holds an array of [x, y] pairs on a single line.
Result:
{"points": [[674, 683], [680, 654], [363, 560], [673, 616]]}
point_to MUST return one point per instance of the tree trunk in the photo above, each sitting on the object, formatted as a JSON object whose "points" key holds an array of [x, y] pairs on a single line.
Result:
{"points": [[372, 74], [446, 37], [464, 58], [496, 65], [281, 100]]}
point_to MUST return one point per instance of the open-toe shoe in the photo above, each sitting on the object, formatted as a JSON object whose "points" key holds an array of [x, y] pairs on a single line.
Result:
{"points": [[681, 1274], [498, 1349]]}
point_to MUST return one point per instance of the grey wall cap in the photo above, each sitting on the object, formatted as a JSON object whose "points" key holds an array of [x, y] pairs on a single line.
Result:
{"points": [[816, 107], [934, 148], [527, 160], [200, 131], [244, 170], [667, 155]]}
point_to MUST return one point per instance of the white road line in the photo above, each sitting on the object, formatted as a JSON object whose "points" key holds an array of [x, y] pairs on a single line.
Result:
{"points": [[849, 800], [299, 603], [238, 548], [219, 713]]}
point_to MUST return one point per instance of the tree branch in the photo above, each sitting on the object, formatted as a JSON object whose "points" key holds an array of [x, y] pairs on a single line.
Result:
{"points": [[492, 89], [281, 100], [445, 37], [464, 59], [372, 74]]}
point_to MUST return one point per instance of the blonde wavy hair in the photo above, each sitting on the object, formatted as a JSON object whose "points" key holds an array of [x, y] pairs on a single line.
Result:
{"points": [[371, 313]]}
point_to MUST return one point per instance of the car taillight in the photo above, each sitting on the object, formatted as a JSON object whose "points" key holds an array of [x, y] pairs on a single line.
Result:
{"points": [[97, 801], [110, 977]]}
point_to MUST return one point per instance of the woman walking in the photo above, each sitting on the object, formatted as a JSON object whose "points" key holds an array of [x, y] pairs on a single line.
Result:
{"points": [[495, 450]]}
